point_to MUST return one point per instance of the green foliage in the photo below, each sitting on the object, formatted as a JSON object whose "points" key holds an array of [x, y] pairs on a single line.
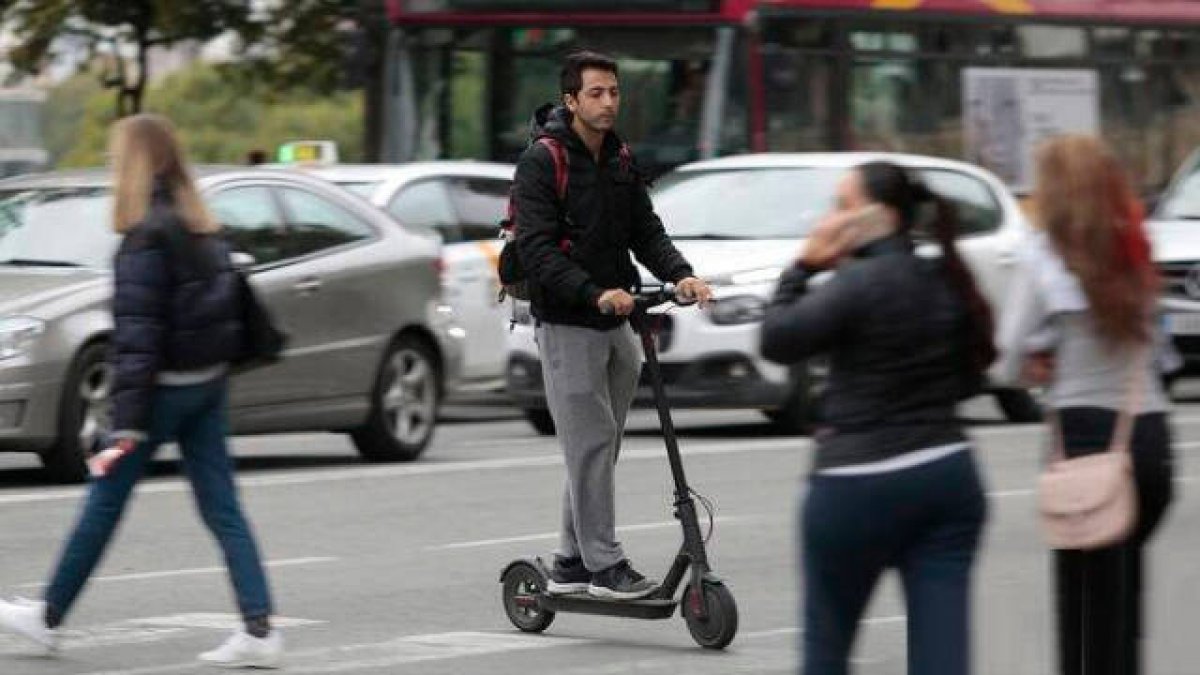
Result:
{"points": [[467, 98], [64, 113], [222, 116], [117, 26], [324, 44]]}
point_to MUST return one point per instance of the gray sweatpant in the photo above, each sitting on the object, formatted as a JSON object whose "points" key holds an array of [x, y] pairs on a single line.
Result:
{"points": [[591, 377]]}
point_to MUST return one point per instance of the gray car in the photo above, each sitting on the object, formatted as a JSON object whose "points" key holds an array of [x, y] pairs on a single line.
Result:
{"points": [[371, 347]]}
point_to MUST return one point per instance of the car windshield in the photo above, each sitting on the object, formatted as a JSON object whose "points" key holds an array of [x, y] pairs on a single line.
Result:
{"points": [[57, 227], [361, 188], [1183, 201], [769, 203]]}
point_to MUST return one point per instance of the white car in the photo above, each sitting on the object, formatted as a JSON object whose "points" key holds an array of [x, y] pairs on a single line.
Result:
{"points": [[463, 202], [740, 221], [1174, 229]]}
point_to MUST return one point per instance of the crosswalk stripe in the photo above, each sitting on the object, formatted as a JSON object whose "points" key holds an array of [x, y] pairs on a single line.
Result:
{"points": [[391, 653]]}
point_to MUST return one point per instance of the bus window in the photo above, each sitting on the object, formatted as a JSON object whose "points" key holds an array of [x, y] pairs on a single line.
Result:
{"points": [[477, 87]]}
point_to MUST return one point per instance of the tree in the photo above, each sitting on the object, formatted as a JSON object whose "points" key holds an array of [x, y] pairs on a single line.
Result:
{"points": [[221, 114], [123, 30], [64, 113], [328, 45]]}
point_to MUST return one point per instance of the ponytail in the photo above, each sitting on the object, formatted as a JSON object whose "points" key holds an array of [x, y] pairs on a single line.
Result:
{"points": [[897, 188], [981, 324]]}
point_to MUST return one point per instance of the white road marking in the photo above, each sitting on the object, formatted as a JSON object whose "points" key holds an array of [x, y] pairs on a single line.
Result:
{"points": [[549, 536], [143, 631], [731, 446], [641, 527], [390, 654], [162, 574], [175, 486], [793, 630], [548, 442], [217, 621]]}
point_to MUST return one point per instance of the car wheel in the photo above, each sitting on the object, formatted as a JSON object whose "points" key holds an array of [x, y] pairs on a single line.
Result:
{"points": [[798, 412], [84, 415], [1018, 406], [404, 404], [540, 419]]}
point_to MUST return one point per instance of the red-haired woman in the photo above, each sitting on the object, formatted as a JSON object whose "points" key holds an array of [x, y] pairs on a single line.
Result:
{"points": [[1082, 321]]}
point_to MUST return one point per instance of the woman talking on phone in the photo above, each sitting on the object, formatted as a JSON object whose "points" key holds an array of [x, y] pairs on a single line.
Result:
{"points": [[894, 483]]}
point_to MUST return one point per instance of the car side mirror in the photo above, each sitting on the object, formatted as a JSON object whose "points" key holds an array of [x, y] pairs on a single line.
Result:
{"points": [[242, 260]]}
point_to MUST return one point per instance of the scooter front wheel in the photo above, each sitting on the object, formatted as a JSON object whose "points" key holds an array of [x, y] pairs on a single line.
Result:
{"points": [[521, 586], [718, 626]]}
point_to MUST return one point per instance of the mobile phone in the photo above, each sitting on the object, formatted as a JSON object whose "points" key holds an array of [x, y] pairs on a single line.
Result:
{"points": [[869, 223]]}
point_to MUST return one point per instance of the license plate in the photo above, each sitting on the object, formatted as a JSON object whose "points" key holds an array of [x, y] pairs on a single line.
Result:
{"points": [[1183, 324]]}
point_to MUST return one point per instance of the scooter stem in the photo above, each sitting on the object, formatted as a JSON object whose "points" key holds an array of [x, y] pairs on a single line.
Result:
{"points": [[642, 325]]}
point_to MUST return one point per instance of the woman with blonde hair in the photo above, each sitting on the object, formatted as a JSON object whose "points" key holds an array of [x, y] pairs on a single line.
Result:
{"points": [[1081, 320], [177, 327]]}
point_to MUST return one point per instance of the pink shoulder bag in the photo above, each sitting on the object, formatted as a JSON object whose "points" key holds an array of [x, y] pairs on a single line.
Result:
{"points": [[1090, 502]]}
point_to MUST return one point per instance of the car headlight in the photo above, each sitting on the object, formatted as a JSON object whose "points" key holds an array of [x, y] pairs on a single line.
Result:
{"points": [[17, 334], [737, 309]]}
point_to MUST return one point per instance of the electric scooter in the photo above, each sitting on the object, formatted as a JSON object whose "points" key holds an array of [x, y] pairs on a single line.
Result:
{"points": [[707, 605]]}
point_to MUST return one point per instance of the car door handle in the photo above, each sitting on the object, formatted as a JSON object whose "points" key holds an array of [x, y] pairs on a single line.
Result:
{"points": [[307, 286], [1006, 258]]}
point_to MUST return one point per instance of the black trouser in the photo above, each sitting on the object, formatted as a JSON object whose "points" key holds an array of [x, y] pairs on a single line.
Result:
{"points": [[925, 522], [1100, 621]]}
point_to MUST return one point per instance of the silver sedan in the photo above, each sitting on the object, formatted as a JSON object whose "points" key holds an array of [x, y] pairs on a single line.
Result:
{"points": [[372, 345]]}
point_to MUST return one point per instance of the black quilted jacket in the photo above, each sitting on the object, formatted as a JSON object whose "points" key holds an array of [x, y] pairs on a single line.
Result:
{"points": [[175, 308]]}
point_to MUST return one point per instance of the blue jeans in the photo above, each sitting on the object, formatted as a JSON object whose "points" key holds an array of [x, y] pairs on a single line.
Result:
{"points": [[924, 521], [196, 417]]}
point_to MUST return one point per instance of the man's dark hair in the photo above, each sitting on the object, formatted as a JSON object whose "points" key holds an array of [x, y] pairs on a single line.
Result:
{"points": [[570, 79]]}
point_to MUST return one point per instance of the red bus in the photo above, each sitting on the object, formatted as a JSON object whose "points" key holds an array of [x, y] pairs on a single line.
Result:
{"points": [[709, 77], [466, 74]]}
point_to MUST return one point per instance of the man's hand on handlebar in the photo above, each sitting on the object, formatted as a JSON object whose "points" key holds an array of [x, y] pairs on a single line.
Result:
{"points": [[693, 289], [615, 301]]}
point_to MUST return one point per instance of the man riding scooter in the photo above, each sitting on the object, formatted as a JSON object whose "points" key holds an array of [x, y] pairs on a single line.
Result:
{"points": [[574, 242]]}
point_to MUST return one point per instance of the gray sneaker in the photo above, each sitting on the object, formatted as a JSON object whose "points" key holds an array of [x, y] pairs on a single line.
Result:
{"points": [[621, 582], [568, 575]]}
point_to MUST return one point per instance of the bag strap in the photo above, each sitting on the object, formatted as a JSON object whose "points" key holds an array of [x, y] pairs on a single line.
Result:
{"points": [[562, 165], [625, 157], [1123, 431], [558, 154]]}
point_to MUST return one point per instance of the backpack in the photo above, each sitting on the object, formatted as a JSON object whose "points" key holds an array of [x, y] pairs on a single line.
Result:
{"points": [[513, 279], [514, 282]]}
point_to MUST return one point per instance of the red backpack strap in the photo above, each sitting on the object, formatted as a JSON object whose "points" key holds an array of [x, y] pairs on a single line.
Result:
{"points": [[625, 157], [558, 154]]}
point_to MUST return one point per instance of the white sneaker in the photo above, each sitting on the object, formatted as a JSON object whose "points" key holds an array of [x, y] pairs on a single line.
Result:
{"points": [[243, 650], [28, 620]]}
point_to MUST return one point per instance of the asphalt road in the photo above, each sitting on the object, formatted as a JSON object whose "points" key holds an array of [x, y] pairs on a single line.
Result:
{"points": [[394, 568]]}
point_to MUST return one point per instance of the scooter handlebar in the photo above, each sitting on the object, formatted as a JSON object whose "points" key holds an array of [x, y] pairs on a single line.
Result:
{"points": [[650, 296]]}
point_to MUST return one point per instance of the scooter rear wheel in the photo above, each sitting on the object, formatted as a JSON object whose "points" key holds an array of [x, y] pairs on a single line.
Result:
{"points": [[522, 585], [717, 629]]}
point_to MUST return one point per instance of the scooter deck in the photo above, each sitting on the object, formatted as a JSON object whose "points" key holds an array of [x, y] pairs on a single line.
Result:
{"points": [[582, 603]]}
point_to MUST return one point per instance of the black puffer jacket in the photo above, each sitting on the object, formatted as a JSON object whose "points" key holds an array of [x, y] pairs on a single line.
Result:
{"points": [[175, 306], [896, 333], [608, 214]]}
